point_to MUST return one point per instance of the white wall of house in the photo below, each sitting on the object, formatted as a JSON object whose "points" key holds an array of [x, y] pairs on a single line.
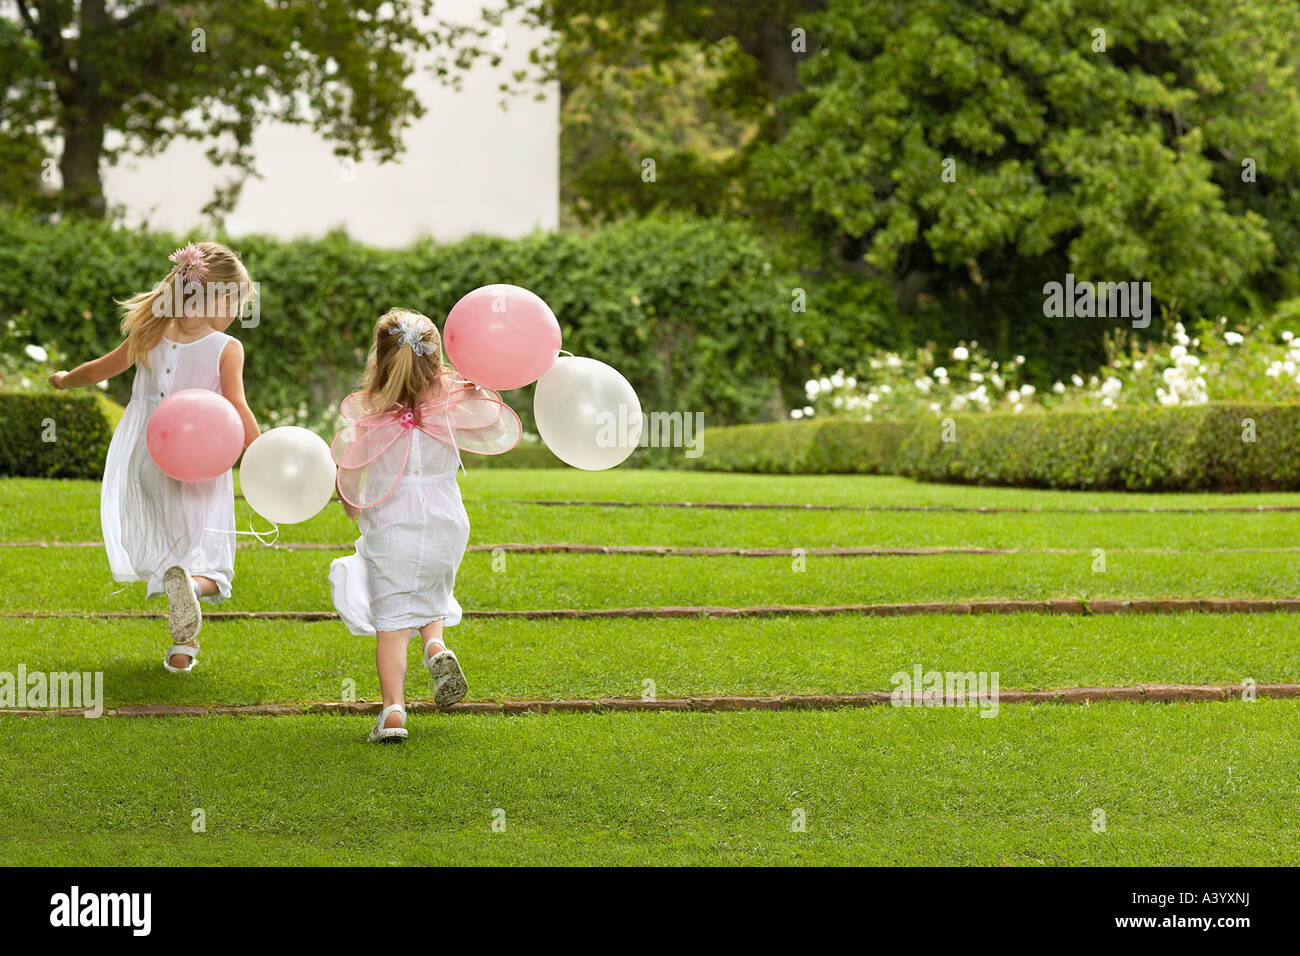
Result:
{"points": [[469, 167]]}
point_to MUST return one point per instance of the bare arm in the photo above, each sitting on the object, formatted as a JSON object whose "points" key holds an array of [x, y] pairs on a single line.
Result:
{"points": [[232, 387], [350, 511], [97, 370]]}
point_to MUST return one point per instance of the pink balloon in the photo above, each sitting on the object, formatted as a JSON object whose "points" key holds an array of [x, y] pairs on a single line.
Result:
{"points": [[502, 337], [194, 435]]}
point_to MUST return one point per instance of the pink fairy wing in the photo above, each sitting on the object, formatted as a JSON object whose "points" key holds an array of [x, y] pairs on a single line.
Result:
{"points": [[473, 419], [370, 454], [353, 408]]}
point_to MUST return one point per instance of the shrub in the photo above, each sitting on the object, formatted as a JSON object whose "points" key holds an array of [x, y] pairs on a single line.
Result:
{"points": [[523, 455], [692, 311], [831, 446], [1134, 448], [53, 435]]}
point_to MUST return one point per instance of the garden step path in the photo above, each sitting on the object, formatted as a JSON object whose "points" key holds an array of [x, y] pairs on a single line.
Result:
{"points": [[691, 552], [794, 506], [1182, 605], [1136, 693]]}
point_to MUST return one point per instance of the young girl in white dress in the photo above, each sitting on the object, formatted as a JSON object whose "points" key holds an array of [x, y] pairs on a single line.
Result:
{"points": [[175, 536], [397, 460]]}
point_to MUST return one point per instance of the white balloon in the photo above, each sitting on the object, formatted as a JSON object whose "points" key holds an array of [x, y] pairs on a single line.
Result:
{"points": [[587, 413], [287, 474]]}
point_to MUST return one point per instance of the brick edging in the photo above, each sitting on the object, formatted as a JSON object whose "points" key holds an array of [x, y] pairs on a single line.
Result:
{"points": [[1137, 693], [690, 551], [1051, 606], [959, 509]]}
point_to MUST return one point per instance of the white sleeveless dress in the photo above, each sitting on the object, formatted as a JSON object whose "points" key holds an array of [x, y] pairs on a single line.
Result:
{"points": [[151, 521], [403, 574]]}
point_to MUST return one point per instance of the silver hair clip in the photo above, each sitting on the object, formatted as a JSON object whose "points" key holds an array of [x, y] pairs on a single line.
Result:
{"points": [[412, 336]]}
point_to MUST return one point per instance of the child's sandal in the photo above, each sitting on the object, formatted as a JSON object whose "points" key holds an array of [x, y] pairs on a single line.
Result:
{"points": [[184, 650], [379, 734], [184, 615], [448, 679]]}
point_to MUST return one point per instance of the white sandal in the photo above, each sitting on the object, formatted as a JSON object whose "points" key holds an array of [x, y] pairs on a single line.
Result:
{"points": [[184, 650], [448, 679], [379, 734]]}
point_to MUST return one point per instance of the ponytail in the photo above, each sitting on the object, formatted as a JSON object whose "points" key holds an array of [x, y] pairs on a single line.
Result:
{"points": [[395, 375], [144, 319]]}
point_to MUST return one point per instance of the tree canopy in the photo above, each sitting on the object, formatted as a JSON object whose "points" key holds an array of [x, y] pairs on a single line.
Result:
{"points": [[152, 72], [1096, 137]]}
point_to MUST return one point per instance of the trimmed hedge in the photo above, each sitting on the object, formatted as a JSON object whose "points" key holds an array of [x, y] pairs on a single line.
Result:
{"points": [[52, 435], [1135, 449], [523, 455], [692, 311], [828, 446]]}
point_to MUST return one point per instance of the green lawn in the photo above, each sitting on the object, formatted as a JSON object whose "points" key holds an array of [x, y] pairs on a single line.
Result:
{"points": [[1201, 783], [78, 579], [557, 660], [22, 518], [1178, 784]]}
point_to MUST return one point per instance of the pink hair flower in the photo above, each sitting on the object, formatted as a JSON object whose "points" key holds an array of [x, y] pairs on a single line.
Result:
{"points": [[189, 261]]}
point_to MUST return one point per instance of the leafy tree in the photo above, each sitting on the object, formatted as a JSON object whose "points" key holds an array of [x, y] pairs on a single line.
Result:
{"points": [[1115, 162], [152, 72], [691, 86], [635, 112], [22, 147]]}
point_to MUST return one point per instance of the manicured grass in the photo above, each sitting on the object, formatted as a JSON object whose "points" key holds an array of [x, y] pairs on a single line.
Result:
{"points": [[497, 523], [646, 485], [1179, 785], [247, 662], [625, 484], [78, 579], [1203, 783], [25, 515]]}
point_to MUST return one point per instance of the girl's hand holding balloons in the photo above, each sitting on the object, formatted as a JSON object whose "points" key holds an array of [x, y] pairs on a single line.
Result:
{"points": [[504, 337]]}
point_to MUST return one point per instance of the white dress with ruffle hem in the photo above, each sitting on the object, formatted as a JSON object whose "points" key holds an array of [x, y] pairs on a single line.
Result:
{"points": [[151, 521], [401, 473]]}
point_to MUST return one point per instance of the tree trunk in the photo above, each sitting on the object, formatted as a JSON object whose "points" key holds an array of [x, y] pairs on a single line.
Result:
{"points": [[83, 146], [84, 111]]}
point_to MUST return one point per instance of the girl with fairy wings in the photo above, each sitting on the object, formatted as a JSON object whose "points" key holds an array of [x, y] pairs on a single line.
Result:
{"points": [[397, 460]]}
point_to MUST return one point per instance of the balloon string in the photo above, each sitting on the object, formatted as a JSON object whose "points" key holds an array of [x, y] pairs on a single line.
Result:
{"points": [[274, 532], [261, 537], [451, 430]]}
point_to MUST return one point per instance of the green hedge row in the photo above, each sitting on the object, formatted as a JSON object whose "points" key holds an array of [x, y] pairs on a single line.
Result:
{"points": [[830, 446], [693, 312], [1138, 449], [53, 435], [1221, 447], [523, 455]]}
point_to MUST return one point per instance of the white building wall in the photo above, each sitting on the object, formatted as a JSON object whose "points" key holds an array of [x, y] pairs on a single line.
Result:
{"points": [[469, 167]]}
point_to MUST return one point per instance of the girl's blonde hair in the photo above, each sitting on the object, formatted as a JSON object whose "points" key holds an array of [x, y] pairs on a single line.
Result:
{"points": [[395, 375], [145, 315]]}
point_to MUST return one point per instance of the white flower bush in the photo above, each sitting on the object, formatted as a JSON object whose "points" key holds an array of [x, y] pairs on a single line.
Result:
{"points": [[905, 386], [1242, 365], [24, 365]]}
